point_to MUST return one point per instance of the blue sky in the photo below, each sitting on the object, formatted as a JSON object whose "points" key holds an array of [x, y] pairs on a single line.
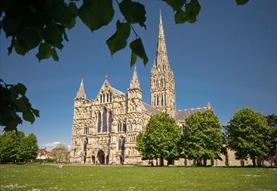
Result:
{"points": [[228, 57]]}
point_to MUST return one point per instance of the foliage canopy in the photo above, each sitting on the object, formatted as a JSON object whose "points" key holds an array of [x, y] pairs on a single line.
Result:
{"points": [[202, 137], [16, 147], [249, 135], [160, 139]]}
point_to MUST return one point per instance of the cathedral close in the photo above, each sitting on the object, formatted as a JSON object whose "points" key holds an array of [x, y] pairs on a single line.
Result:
{"points": [[105, 128]]}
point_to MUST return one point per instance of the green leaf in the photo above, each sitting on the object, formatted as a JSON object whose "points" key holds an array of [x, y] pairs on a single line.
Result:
{"points": [[180, 17], [175, 4], [22, 104], [53, 35], [54, 54], [19, 47], [138, 49], [28, 116], [133, 58], [44, 51], [29, 38], [119, 39], [95, 14], [133, 12], [35, 112], [20, 88], [192, 10], [241, 2]]}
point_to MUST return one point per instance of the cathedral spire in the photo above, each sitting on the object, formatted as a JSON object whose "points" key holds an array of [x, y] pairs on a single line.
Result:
{"points": [[81, 92], [162, 78], [135, 82], [161, 52]]}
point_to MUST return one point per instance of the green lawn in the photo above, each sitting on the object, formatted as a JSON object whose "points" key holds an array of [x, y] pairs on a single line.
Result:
{"points": [[51, 177]]}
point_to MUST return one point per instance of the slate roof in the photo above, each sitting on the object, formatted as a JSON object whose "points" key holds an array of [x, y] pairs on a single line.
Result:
{"points": [[116, 91], [181, 115], [150, 109]]}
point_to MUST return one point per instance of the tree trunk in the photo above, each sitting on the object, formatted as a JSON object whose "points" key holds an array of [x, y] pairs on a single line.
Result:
{"points": [[161, 162], [242, 162], [212, 162], [186, 162], [254, 161], [226, 158], [199, 162], [205, 161]]}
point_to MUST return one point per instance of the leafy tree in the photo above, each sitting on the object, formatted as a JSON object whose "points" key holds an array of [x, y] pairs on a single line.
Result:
{"points": [[16, 147], [28, 148], [160, 139], [249, 135], [202, 138], [14, 101], [43, 25], [272, 122], [60, 153]]}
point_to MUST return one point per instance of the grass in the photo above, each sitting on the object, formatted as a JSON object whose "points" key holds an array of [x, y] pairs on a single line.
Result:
{"points": [[35, 177]]}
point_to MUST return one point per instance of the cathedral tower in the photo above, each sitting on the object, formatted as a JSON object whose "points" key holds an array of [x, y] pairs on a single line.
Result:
{"points": [[134, 93], [162, 86]]}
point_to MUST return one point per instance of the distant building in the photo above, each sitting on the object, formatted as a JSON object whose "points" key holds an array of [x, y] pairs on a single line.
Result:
{"points": [[105, 128], [43, 153]]}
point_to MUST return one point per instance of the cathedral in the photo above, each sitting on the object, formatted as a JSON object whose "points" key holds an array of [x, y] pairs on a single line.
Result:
{"points": [[105, 128]]}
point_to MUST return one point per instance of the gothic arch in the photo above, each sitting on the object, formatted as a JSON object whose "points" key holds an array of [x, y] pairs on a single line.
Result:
{"points": [[99, 122], [104, 119], [110, 120], [101, 156]]}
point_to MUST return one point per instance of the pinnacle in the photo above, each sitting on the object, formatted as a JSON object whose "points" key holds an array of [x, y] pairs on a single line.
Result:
{"points": [[81, 92], [135, 82]]}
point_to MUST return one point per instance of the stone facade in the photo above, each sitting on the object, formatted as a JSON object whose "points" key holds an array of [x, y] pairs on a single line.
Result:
{"points": [[105, 128]]}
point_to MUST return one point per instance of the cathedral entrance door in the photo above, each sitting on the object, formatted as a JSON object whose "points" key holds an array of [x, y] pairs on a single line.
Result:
{"points": [[101, 157]]}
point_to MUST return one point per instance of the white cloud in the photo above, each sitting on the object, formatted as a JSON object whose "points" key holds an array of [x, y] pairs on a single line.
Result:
{"points": [[51, 145]]}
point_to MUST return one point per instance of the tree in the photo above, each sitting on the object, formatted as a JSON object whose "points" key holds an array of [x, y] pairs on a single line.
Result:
{"points": [[272, 122], [16, 147], [202, 138], [249, 135], [28, 148], [160, 139], [14, 101], [60, 153]]}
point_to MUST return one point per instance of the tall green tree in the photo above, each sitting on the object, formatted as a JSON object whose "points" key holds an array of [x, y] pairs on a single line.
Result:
{"points": [[249, 135], [16, 147], [202, 138], [160, 139], [272, 122]]}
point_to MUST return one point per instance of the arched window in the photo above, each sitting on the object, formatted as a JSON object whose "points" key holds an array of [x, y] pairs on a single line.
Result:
{"points": [[105, 126], [119, 127], [107, 95], [162, 100], [100, 98], [99, 122], [110, 121], [124, 127], [103, 98], [86, 130], [158, 101]]}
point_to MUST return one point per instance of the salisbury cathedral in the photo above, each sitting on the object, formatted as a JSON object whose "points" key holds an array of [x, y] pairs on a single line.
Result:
{"points": [[105, 128]]}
